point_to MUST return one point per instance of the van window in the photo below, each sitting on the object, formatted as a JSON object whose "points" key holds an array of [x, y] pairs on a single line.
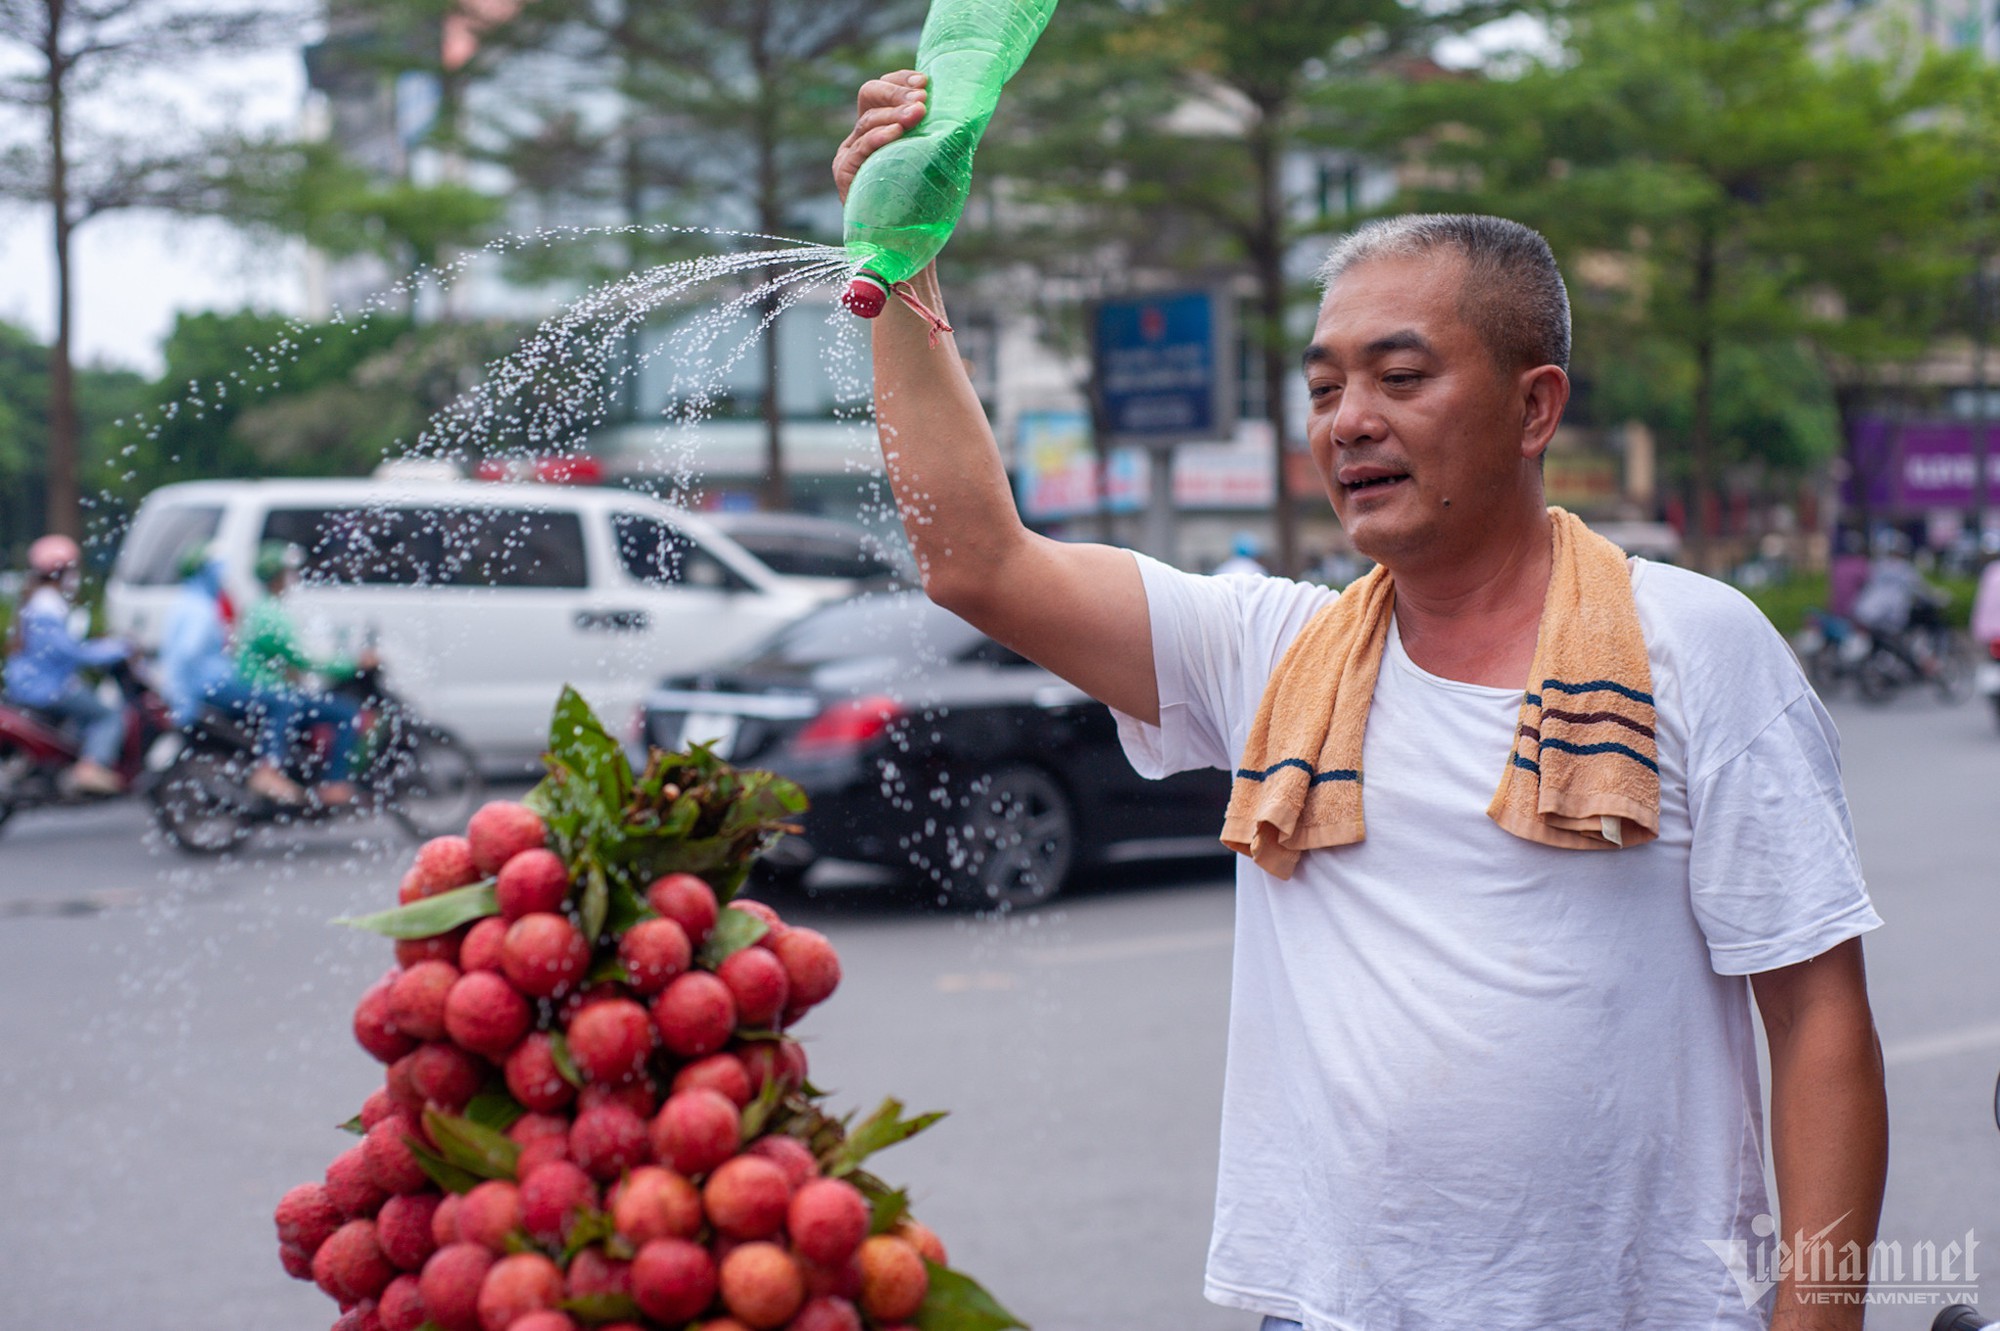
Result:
{"points": [[434, 547], [660, 555], [160, 536]]}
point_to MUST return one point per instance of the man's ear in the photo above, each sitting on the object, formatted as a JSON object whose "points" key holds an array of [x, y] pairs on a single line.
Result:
{"points": [[1544, 394]]}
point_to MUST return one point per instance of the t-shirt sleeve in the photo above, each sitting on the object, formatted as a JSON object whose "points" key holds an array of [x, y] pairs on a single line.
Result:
{"points": [[1775, 875], [1215, 641]]}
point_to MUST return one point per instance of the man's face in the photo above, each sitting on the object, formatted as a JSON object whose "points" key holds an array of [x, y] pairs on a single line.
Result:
{"points": [[1410, 411]]}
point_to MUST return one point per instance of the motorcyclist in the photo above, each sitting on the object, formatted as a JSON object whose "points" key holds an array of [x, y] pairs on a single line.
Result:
{"points": [[1897, 597], [196, 671], [44, 659], [270, 658]]}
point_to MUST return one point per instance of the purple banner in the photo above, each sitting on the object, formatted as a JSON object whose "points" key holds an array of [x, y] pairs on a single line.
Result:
{"points": [[1915, 465]]}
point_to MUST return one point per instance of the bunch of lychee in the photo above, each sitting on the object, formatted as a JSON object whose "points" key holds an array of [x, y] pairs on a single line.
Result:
{"points": [[616, 1095]]}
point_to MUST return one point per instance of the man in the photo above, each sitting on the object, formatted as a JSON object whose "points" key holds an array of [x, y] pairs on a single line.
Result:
{"points": [[271, 660], [44, 659], [1471, 1078]]}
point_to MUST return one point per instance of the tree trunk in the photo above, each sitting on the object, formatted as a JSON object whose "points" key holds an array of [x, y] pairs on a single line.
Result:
{"points": [[1701, 460], [1268, 257], [777, 491], [64, 512]]}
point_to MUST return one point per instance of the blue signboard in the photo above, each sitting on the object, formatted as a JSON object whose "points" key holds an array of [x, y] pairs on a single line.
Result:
{"points": [[1161, 372]]}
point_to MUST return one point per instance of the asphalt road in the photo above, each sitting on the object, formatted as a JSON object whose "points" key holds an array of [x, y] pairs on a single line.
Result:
{"points": [[174, 1054]]}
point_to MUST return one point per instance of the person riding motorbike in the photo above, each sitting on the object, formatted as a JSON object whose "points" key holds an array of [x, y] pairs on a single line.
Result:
{"points": [[1896, 598], [44, 660], [270, 658], [196, 671]]}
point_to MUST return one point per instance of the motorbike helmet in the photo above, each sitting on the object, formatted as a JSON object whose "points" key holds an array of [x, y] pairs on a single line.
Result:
{"points": [[277, 557], [53, 554]]}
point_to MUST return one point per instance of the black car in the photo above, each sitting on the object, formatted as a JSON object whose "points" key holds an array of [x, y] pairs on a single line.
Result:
{"points": [[930, 749]]}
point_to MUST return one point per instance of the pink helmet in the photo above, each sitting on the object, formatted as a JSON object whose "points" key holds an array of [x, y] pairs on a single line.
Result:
{"points": [[50, 555]]}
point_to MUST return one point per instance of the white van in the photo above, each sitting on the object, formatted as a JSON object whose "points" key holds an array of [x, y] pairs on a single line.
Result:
{"points": [[484, 599]]}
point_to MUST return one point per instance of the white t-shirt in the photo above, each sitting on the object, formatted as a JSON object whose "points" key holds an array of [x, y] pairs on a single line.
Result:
{"points": [[1473, 1080]]}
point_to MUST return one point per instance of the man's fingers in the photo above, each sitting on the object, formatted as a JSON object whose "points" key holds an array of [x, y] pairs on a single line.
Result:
{"points": [[889, 90]]}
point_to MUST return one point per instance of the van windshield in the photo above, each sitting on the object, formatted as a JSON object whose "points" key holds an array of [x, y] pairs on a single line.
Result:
{"points": [[160, 536], [434, 547]]}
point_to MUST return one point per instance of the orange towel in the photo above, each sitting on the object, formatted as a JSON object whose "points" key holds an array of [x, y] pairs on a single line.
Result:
{"points": [[1584, 771]]}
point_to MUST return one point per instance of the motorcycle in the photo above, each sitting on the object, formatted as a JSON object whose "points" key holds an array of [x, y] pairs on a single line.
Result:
{"points": [[36, 747], [1928, 652], [419, 773]]}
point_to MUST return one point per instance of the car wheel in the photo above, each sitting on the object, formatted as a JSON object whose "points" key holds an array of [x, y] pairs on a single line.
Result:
{"points": [[1014, 845], [199, 803], [433, 785]]}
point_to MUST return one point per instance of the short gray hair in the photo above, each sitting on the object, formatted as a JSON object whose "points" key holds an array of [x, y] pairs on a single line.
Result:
{"points": [[1513, 296]]}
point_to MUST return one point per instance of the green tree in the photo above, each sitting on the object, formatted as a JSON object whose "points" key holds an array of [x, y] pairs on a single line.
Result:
{"points": [[102, 397], [1715, 175]]}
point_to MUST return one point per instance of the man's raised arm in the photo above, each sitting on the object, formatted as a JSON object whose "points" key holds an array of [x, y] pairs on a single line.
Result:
{"points": [[1079, 610]]}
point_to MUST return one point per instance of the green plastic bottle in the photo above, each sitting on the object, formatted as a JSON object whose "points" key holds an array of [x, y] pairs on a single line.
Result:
{"points": [[907, 197]]}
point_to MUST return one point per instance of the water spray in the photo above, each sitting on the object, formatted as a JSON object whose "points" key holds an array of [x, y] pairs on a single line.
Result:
{"points": [[907, 197]]}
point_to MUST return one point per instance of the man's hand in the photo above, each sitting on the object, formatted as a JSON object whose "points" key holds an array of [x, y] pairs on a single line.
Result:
{"points": [[1829, 1127], [886, 107]]}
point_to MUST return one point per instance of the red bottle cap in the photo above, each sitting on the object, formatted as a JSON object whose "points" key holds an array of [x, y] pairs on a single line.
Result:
{"points": [[866, 295]]}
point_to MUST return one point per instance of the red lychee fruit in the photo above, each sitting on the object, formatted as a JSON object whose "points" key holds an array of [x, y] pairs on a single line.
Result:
{"points": [[535, 881], [443, 863], [444, 1220], [551, 1195], [893, 1279], [450, 1285], [351, 1185], [764, 1059], [401, 1306], [592, 1272], [544, 954], [403, 1228], [359, 1317], [532, 1076], [544, 1319], [489, 1213], [811, 964], [761, 1285], [375, 1029], [654, 952], [375, 1108], [673, 1280], [789, 1154], [404, 1097], [696, 1015], [517, 1285], [486, 1014], [695, 1131], [774, 928], [842, 1281], [717, 1072], [827, 1220], [417, 998], [481, 949], [826, 1313], [746, 1197], [306, 1216], [924, 1239], [610, 1041], [439, 947], [606, 1140], [500, 830], [687, 901], [350, 1265], [655, 1203], [636, 1095], [298, 1263], [719, 1324], [756, 980], [445, 1076], [543, 1138], [391, 1163]]}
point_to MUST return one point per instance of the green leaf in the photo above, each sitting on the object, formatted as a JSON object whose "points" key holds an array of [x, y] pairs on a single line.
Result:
{"points": [[431, 916], [595, 904], [628, 907], [472, 1148], [758, 1112], [599, 1308], [579, 743], [494, 1108], [441, 1171], [734, 930], [883, 1128], [886, 1207], [957, 1303], [586, 1228], [355, 1126], [565, 1065], [608, 970]]}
